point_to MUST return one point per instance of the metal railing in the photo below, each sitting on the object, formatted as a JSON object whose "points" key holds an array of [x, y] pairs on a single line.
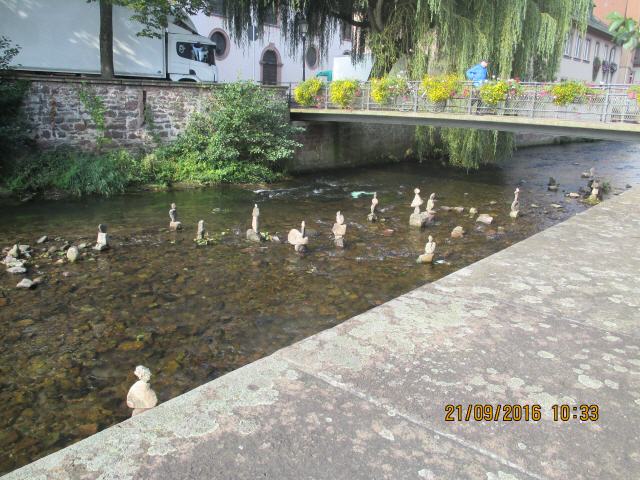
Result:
{"points": [[604, 103]]}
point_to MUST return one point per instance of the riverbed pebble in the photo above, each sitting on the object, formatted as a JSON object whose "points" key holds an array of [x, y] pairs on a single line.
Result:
{"points": [[72, 254], [473, 211], [42, 239], [573, 195], [457, 232], [25, 283], [16, 270], [484, 218]]}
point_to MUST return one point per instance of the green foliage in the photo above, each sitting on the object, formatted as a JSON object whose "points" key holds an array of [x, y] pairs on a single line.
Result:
{"points": [[243, 136], [13, 128], [385, 89], [75, 173], [343, 92], [635, 91], [626, 31], [94, 105], [440, 88], [470, 149], [570, 91], [306, 93]]}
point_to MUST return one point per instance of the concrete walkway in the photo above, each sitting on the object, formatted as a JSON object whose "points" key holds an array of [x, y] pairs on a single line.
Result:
{"points": [[551, 320]]}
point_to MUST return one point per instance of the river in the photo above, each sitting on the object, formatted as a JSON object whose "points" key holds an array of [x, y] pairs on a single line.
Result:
{"points": [[192, 313]]}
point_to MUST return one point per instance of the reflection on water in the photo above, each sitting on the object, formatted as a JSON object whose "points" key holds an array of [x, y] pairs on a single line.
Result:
{"points": [[191, 313]]}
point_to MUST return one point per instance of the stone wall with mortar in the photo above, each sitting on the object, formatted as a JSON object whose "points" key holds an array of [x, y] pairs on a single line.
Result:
{"points": [[136, 111]]}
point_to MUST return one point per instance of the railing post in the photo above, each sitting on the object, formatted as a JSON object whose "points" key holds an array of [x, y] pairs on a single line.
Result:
{"points": [[535, 100], [606, 105], [368, 90], [414, 91], [326, 95], [470, 106]]}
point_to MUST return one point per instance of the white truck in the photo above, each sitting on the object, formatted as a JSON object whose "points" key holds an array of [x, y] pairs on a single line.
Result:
{"points": [[62, 36]]}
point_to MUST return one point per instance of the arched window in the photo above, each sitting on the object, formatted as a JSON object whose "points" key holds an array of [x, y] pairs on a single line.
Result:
{"points": [[311, 57], [270, 67], [222, 43]]}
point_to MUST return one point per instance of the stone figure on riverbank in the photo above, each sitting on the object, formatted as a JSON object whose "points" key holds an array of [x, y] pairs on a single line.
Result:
{"points": [[102, 242], [590, 174], [174, 224], [373, 216], [429, 252], [298, 238], [253, 234], [552, 186], [515, 205], [141, 396], [339, 230]]}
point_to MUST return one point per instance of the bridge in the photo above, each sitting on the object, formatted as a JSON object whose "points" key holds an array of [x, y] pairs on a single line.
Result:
{"points": [[607, 112]]}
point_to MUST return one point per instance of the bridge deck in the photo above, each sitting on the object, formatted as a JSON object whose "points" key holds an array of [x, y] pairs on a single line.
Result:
{"points": [[620, 131], [550, 320]]}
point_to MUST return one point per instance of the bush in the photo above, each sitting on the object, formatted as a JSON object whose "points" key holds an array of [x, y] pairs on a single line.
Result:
{"points": [[564, 93], [343, 92], [492, 93], [440, 88], [75, 173], [387, 88], [306, 93], [243, 136]]}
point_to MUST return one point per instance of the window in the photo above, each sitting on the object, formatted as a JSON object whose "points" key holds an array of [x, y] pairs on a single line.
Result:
{"points": [[270, 16], [216, 7], [567, 44], [222, 43], [636, 58], [345, 31], [576, 53], [612, 56], [196, 51], [587, 50], [596, 53], [606, 54], [311, 57], [270, 68]]}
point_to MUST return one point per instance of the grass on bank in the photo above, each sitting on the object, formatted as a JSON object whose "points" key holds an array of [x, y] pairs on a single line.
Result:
{"points": [[242, 136]]}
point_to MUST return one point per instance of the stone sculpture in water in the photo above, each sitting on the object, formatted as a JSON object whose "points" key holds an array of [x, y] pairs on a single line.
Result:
{"points": [[515, 205], [174, 224], [298, 238], [102, 242], [339, 230], [141, 396], [253, 234], [429, 251], [373, 216]]}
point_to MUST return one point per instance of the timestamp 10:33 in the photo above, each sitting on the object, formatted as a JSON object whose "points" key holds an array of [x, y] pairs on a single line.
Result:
{"points": [[519, 413]]}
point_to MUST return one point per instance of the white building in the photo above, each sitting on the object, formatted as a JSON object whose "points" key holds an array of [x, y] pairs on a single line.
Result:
{"points": [[581, 51], [268, 59]]}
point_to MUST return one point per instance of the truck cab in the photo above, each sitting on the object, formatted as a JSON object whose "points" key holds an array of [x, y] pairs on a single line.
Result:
{"points": [[190, 58]]}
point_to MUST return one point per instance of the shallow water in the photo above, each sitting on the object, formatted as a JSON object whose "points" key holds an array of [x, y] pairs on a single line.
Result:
{"points": [[192, 313]]}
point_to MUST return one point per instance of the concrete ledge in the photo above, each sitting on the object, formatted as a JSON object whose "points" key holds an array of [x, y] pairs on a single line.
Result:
{"points": [[550, 320]]}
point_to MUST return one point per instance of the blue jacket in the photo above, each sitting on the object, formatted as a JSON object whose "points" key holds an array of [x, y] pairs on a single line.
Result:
{"points": [[477, 74]]}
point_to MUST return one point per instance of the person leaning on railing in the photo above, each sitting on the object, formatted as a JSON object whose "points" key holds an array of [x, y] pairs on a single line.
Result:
{"points": [[477, 75]]}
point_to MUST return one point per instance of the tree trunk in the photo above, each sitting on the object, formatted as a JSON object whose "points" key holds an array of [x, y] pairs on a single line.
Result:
{"points": [[106, 38]]}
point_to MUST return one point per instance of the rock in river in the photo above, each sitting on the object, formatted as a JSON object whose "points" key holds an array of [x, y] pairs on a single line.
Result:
{"points": [[72, 254], [25, 283], [485, 218]]}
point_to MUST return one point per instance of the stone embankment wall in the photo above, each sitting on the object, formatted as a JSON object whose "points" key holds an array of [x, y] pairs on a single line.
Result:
{"points": [[135, 111]]}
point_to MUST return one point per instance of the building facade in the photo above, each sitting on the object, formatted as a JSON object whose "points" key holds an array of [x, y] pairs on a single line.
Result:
{"points": [[268, 59], [592, 56], [629, 64]]}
